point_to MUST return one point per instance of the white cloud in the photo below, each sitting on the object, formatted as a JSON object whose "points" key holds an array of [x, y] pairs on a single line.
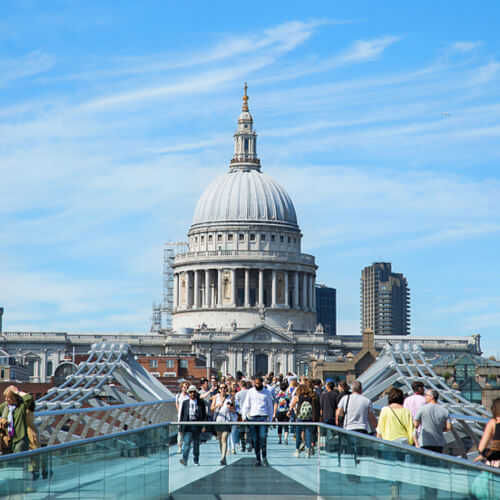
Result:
{"points": [[24, 66], [367, 50], [465, 46]]}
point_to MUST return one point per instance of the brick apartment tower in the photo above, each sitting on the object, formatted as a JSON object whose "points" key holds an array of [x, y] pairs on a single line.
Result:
{"points": [[385, 300]]}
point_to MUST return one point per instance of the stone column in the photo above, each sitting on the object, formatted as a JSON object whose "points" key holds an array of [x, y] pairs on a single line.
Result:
{"points": [[273, 289], [196, 289], [239, 361], [314, 292], [284, 362], [43, 365], [286, 289], [311, 292], [219, 287], [233, 287], [291, 362], [296, 290], [188, 287], [207, 287], [209, 358], [247, 287], [304, 291], [176, 290], [251, 361], [261, 288], [230, 368]]}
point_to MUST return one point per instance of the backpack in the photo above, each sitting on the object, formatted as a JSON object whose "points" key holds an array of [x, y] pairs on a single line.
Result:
{"points": [[306, 411], [283, 401]]}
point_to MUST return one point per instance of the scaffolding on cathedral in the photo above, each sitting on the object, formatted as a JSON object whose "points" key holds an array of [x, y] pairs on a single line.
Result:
{"points": [[161, 318]]}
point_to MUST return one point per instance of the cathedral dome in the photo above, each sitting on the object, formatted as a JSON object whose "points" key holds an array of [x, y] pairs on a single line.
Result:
{"points": [[245, 195]]}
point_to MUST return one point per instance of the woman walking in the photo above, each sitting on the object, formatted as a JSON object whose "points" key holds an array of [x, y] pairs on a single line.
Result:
{"points": [[223, 407], [489, 446], [14, 411], [281, 409], [306, 406], [396, 422]]}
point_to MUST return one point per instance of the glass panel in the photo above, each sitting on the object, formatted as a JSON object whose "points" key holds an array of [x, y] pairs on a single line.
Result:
{"points": [[355, 466], [132, 465], [145, 464], [286, 475]]}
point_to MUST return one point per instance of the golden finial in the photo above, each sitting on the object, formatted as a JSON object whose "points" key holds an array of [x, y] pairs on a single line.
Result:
{"points": [[245, 99]]}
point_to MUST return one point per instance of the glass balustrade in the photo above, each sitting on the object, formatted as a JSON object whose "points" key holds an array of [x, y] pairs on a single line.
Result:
{"points": [[144, 463]]}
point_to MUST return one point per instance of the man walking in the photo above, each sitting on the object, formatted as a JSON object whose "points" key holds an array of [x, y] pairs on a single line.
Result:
{"points": [[434, 420], [192, 410], [417, 399], [357, 411], [258, 407]]}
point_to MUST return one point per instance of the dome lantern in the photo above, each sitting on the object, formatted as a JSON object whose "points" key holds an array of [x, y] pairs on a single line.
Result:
{"points": [[245, 141]]}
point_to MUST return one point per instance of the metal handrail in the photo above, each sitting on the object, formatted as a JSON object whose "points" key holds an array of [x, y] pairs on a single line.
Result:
{"points": [[340, 430], [50, 413]]}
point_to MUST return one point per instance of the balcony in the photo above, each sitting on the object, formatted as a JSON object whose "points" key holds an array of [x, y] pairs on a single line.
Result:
{"points": [[224, 255]]}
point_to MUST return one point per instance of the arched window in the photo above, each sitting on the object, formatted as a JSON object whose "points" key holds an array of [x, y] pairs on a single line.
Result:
{"points": [[49, 368]]}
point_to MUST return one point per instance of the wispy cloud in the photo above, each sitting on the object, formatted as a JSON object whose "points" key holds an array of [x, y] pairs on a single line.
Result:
{"points": [[465, 46], [24, 66], [367, 50]]}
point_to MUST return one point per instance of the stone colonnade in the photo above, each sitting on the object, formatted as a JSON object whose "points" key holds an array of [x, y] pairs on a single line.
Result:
{"points": [[244, 287]]}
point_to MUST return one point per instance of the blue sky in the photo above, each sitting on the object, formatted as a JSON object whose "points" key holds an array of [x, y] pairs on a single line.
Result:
{"points": [[114, 116]]}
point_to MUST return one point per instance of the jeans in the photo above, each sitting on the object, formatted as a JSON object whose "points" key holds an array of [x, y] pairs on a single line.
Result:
{"points": [[308, 431], [235, 435], [282, 417], [259, 436], [191, 434]]}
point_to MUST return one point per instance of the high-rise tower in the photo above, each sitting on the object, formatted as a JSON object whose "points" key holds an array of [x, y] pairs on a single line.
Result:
{"points": [[385, 300]]}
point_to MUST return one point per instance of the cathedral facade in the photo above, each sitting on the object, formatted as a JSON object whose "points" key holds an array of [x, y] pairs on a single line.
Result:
{"points": [[244, 293]]}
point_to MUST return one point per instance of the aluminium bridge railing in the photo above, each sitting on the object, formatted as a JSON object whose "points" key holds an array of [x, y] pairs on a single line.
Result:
{"points": [[64, 426], [142, 464]]}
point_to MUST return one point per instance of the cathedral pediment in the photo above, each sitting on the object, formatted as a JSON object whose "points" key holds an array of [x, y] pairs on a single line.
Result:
{"points": [[263, 334]]}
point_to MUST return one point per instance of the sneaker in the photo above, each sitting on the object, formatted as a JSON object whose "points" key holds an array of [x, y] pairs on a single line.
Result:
{"points": [[196, 464], [297, 453], [313, 450], [302, 446], [179, 450], [265, 463], [257, 463], [308, 452], [182, 461]]}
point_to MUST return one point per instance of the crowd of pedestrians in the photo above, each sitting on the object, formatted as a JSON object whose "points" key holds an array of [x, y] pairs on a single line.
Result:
{"points": [[414, 419]]}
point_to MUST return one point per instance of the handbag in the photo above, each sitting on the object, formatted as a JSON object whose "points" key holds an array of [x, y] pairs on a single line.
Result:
{"points": [[342, 420], [493, 450]]}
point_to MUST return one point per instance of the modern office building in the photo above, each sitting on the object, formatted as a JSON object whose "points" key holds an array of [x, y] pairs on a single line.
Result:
{"points": [[385, 300], [326, 308]]}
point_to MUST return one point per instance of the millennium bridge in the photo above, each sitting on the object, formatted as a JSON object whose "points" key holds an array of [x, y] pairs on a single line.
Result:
{"points": [[109, 431]]}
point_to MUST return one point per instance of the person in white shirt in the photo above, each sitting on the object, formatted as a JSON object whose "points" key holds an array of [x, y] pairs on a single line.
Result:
{"points": [[258, 407], [179, 399]]}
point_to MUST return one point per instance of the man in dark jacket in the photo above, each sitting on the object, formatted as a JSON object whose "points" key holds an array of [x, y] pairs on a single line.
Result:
{"points": [[192, 410]]}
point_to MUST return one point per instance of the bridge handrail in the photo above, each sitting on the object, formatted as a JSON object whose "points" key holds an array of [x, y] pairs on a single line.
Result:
{"points": [[392, 444], [51, 413]]}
